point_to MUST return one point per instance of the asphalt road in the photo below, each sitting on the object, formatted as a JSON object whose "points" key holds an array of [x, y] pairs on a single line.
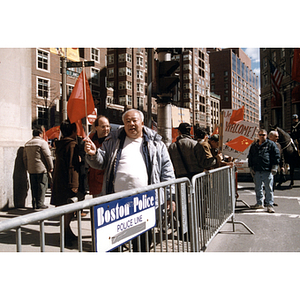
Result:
{"points": [[277, 232]]}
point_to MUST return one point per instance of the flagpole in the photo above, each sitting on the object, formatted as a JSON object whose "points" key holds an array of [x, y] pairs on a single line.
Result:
{"points": [[85, 103]]}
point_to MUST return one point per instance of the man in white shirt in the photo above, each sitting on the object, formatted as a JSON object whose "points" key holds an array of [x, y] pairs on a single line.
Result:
{"points": [[133, 156]]}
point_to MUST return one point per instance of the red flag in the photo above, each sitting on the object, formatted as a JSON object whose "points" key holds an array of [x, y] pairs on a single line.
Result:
{"points": [[45, 137], [237, 115], [53, 132], [76, 104], [80, 130], [296, 65], [216, 131], [240, 143]]}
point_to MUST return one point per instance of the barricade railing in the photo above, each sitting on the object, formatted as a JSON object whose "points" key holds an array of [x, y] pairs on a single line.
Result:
{"points": [[214, 197], [165, 235], [203, 206]]}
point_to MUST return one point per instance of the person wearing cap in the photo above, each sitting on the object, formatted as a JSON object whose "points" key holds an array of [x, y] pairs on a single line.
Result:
{"points": [[295, 131], [182, 153]]}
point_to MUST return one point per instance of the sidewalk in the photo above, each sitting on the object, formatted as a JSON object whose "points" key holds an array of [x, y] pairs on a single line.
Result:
{"points": [[30, 233]]}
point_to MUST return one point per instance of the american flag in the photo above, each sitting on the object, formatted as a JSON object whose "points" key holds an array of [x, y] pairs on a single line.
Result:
{"points": [[276, 78]]}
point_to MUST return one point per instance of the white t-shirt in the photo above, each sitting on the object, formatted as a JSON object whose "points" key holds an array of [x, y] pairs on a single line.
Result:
{"points": [[132, 171]]}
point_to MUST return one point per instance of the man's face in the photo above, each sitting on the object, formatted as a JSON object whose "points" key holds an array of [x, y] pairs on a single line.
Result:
{"points": [[133, 125], [295, 121], [262, 136], [103, 128], [274, 137], [214, 144]]}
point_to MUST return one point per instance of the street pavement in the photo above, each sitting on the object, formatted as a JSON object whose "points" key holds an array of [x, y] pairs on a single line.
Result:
{"points": [[273, 232], [277, 232]]}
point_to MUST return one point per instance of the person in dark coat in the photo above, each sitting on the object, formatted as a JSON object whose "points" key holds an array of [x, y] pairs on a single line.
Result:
{"points": [[263, 161], [66, 173]]}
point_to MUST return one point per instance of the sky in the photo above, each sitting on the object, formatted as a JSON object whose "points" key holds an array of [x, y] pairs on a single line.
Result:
{"points": [[253, 53]]}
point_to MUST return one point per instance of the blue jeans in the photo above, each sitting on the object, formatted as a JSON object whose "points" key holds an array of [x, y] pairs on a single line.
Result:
{"points": [[264, 178]]}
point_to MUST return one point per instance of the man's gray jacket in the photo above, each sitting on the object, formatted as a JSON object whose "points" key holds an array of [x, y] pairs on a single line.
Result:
{"points": [[157, 159]]}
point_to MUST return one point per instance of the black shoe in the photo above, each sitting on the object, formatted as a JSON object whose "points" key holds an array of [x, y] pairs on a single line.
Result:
{"points": [[42, 207]]}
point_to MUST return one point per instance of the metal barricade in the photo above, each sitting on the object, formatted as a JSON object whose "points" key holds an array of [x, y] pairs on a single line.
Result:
{"points": [[203, 206], [214, 196], [164, 237]]}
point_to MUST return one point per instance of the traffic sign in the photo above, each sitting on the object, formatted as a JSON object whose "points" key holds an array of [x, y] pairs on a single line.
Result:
{"points": [[92, 117], [119, 221], [79, 64]]}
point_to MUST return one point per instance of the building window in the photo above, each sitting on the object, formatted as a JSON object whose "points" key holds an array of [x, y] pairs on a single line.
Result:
{"points": [[129, 85], [122, 71], [111, 59], [110, 73], [95, 76], [42, 60], [128, 71], [139, 61], [139, 74], [140, 102], [274, 56], [42, 116], [110, 84], [140, 87], [122, 85], [128, 57], [42, 88], [95, 54], [129, 100]]}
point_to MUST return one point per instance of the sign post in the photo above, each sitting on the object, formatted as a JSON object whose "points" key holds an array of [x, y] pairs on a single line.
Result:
{"points": [[119, 221]]}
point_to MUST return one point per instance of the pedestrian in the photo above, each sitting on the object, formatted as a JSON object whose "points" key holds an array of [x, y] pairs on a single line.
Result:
{"points": [[66, 174], [279, 177], [133, 156], [201, 134], [98, 135], [208, 154], [295, 131], [38, 162], [182, 153], [263, 161]]}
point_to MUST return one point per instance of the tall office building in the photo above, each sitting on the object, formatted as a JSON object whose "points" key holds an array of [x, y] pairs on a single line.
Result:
{"points": [[232, 78], [194, 87], [288, 103]]}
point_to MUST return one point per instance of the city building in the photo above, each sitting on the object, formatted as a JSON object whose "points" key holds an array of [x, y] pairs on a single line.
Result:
{"points": [[231, 77], [278, 112], [194, 86]]}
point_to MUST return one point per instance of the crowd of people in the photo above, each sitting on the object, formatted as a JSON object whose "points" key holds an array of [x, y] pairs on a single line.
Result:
{"points": [[134, 156]]}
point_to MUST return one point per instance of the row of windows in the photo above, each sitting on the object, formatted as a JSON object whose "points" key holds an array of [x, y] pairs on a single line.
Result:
{"points": [[43, 58], [125, 71], [124, 57]]}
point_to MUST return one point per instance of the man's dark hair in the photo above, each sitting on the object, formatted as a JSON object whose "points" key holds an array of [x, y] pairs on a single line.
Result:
{"points": [[67, 128], [201, 132], [37, 131]]}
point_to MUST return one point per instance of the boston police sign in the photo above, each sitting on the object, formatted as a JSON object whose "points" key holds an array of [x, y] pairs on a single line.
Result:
{"points": [[121, 220]]}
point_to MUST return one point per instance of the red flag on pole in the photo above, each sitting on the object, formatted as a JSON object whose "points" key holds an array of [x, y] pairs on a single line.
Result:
{"points": [[240, 143], [237, 115], [80, 103], [296, 65], [53, 132], [80, 130]]}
